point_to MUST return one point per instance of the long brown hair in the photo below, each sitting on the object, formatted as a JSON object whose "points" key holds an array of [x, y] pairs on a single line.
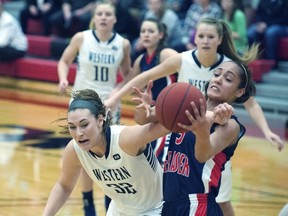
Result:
{"points": [[227, 46]]}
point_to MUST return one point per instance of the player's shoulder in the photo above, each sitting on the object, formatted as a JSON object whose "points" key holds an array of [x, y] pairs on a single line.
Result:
{"points": [[126, 43], [77, 38], [70, 147], [167, 52]]}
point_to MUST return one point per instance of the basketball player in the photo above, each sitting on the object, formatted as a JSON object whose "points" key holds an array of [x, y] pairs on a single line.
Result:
{"points": [[195, 159], [118, 158], [100, 54], [214, 46], [153, 37]]}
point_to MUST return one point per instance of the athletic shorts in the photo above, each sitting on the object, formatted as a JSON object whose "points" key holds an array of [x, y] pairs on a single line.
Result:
{"points": [[192, 205], [225, 190], [112, 211]]}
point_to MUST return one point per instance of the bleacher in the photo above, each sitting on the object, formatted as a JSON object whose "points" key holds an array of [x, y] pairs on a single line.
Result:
{"points": [[40, 65]]}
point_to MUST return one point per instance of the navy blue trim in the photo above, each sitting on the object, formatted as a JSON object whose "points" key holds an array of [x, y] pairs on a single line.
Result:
{"points": [[98, 40], [151, 157], [195, 58], [108, 140], [95, 36], [112, 38], [213, 66], [218, 62]]}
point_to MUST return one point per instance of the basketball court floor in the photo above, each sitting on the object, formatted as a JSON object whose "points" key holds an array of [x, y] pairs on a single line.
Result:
{"points": [[31, 151]]}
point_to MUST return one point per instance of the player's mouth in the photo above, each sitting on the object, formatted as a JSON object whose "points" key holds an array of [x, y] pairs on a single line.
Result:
{"points": [[214, 87], [83, 142]]}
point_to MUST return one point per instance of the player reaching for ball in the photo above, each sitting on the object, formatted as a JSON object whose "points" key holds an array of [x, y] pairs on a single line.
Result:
{"points": [[214, 46], [195, 159], [118, 158]]}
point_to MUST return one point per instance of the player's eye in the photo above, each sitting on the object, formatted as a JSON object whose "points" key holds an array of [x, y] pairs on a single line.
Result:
{"points": [[72, 127], [84, 125]]}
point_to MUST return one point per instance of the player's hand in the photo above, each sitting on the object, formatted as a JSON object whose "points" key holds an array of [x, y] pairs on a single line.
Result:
{"points": [[144, 99], [200, 124], [62, 86], [222, 113], [275, 140]]}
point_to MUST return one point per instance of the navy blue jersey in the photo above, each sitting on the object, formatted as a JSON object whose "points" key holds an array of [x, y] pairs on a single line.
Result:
{"points": [[184, 175], [147, 63]]}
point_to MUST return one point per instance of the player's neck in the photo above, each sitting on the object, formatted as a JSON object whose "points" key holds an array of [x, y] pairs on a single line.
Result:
{"points": [[206, 59], [104, 36], [100, 149], [151, 51]]}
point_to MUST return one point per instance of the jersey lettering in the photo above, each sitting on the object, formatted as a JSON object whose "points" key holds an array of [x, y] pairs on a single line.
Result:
{"points": [[123, 188], [200, 84], [112, 174], [177, 162], [101, 58], [179, 139]]}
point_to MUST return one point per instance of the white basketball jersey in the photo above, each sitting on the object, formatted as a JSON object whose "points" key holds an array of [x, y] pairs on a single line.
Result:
{"points": [[133, 182], [98, 63], [193, 72]]}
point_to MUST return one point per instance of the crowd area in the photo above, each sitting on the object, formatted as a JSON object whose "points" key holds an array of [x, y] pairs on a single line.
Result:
{"points": [[263, 21]]}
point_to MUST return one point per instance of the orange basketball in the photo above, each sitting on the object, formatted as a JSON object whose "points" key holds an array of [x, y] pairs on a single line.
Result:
{"points": [[172, 102]]}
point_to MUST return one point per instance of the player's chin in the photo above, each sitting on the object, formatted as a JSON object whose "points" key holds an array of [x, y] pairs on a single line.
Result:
{"points": [[214, 95], [84, 146]]}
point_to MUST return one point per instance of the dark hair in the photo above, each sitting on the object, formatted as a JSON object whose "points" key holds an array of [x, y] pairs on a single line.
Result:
{"points": [[227, 46], [161, 28], [246, 82], [95, 105]]}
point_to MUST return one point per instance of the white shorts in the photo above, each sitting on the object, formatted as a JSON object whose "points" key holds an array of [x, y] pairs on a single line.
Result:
{"points": [[225, 191], [112, 211]]}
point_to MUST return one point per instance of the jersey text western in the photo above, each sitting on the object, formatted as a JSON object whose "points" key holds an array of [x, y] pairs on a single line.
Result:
{"points": [[112, 174]]}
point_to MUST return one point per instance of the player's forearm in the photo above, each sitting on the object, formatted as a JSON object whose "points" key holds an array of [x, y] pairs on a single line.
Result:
{"points": [[203, 148], [56, 200], [127, 89], [256, 113], [63, 70]]}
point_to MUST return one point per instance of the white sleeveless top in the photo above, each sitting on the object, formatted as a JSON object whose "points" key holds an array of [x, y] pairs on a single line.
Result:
{"points": [[134, 183], [98, 63], [193, 72]]}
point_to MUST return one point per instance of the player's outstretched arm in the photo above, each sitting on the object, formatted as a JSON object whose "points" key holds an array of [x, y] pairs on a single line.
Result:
{"points": [[256, 113]]}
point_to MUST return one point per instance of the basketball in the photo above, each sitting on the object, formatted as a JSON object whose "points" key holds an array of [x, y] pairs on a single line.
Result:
{"points": [[172, 102]]}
